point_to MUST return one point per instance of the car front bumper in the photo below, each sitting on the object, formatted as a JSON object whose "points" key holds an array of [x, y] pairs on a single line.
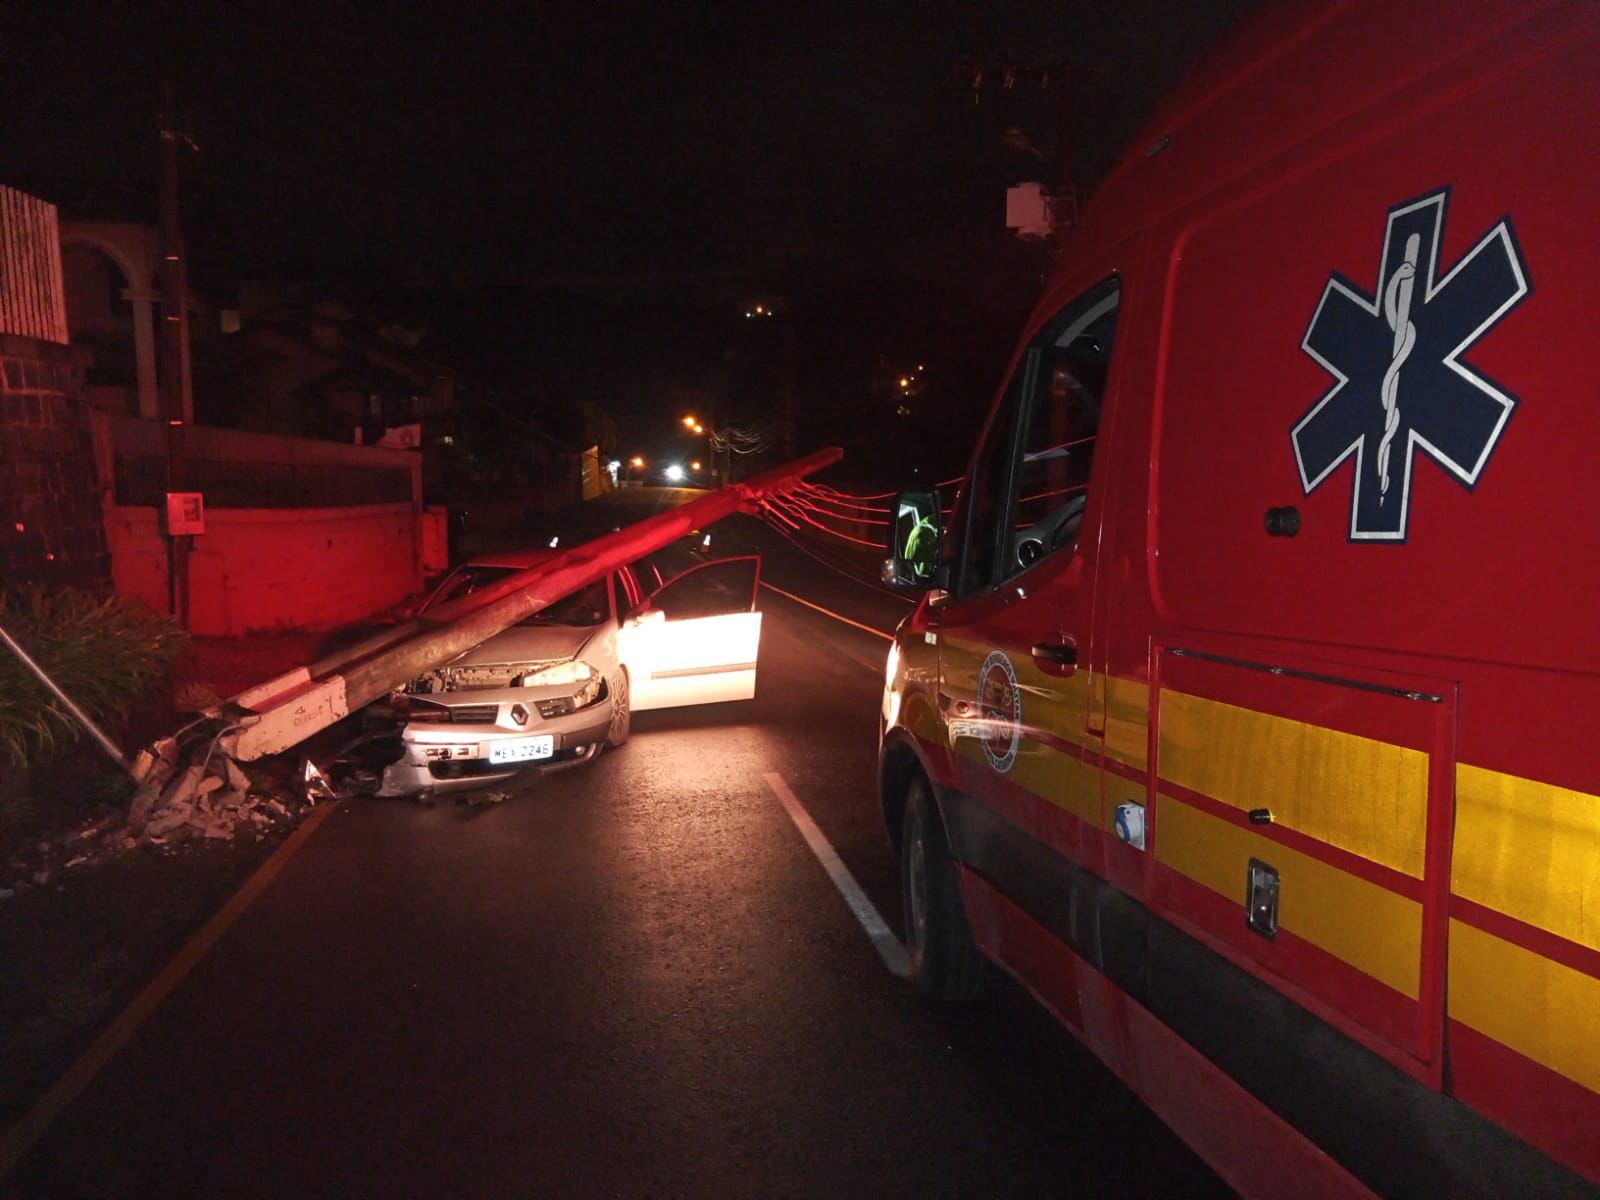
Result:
{"points": [[441, 758]]}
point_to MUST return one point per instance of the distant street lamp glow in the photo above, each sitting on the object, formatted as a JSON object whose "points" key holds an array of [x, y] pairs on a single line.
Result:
{"points": [[674, 473], [636, 461], [689, 422], [695, 466], [699, 428]]}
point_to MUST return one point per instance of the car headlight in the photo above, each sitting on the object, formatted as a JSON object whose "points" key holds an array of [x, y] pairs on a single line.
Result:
{"points": [[584, 680], [571, 671]]}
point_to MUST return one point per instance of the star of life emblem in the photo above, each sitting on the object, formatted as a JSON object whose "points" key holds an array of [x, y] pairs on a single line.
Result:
{"points": [[1400, 386]]}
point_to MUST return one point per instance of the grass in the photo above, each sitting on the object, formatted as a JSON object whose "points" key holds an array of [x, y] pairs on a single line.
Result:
{"points": [[110, 655]]}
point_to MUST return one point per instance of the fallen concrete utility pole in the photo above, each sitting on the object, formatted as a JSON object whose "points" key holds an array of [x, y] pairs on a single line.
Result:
{"points": [[283, 712]]}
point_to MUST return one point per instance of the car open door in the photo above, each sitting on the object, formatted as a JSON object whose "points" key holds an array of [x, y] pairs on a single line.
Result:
{"points": [[695, 640]]}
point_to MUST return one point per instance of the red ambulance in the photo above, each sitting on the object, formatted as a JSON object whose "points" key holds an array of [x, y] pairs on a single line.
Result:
{"points": [[1248, 718]]}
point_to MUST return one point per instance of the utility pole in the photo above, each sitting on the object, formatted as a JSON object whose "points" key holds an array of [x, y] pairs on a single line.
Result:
{"points": [[1064, 78], [177, 399], [788, 386]]}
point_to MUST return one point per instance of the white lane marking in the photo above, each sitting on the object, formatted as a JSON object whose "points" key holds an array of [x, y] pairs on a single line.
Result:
{"points": [[883, 939]]}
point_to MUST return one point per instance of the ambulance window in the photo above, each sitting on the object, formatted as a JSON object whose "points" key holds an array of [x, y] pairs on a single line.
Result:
{"points": [[1064, 380], [979, 521], [1026, 494]]}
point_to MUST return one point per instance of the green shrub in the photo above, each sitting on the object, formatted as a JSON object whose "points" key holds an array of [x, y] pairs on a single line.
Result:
{"points": [[107, 654]]}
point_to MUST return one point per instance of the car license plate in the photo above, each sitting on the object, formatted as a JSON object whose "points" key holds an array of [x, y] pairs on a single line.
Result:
{"points": [[528, 749]]}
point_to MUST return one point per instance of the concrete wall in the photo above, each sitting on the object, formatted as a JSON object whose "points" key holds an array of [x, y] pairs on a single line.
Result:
{"points": [[435, 541], [236, 468], [50, 486], [264, 569]]}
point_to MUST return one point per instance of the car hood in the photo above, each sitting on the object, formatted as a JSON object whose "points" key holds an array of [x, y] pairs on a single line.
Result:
{"points": [[528, 643]]}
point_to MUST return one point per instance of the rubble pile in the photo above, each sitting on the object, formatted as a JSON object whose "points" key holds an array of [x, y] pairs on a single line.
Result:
{"points": [[179, 800]]}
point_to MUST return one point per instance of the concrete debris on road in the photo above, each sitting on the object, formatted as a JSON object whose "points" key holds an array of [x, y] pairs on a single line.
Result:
{"points": [[214, 801], [314, 783], [197, 794]]}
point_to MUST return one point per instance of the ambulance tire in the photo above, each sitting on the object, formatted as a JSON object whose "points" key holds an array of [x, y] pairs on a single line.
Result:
{"points": [[945, 964], [621, 712]]}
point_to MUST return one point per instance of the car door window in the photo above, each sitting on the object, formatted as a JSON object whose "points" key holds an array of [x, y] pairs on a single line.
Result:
{"points": [[725, 586], [1030, 485], [628, 594], [647, 575]]}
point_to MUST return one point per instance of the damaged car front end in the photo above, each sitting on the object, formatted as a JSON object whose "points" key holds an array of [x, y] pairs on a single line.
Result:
{"points": [[561, 685], [544, 693]]}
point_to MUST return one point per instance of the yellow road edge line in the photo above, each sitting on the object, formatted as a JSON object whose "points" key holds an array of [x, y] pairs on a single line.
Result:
{"points": [[888, 637], [20, 1138]]}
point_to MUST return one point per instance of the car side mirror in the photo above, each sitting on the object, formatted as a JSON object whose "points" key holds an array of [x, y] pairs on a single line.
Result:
{"points": [[914, 537]]}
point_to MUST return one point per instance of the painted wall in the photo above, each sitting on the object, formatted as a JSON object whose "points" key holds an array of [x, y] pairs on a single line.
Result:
{"points": [[263, 569], [435, 541], [239, 469]]}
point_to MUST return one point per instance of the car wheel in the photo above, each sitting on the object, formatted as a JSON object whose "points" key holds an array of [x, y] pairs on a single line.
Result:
{"points": [[945, 963], [621, 713]]}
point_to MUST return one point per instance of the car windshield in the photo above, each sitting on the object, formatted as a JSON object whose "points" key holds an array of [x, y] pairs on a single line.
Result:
{"points": [[463, 581], [587, 607]]}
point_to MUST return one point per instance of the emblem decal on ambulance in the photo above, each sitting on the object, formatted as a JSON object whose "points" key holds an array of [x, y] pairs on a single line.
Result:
{"points": [[1000, 710], [1400, 386]]}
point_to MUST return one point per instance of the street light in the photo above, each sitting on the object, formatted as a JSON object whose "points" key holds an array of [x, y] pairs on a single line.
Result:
{"points": [[690, 423]]}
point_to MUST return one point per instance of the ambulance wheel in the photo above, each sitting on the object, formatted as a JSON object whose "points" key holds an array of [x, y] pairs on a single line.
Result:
{"points": [[621, 714], [945, 963]]}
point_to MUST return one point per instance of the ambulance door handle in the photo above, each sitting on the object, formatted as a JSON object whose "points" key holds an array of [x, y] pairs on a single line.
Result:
{"points": [[1057, 656]]}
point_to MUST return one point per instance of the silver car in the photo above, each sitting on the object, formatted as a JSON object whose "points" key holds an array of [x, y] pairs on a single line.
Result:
{"points": [[562, 684]]}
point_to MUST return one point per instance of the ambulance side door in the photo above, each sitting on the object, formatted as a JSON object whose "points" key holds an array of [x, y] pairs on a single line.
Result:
{"points": [[1014, 629]]}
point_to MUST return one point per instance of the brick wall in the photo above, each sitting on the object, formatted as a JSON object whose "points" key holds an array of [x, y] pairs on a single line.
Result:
{"points": [[51, 529]]}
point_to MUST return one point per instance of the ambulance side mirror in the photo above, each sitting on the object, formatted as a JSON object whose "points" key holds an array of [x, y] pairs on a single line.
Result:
{"points": [[914, 533]]}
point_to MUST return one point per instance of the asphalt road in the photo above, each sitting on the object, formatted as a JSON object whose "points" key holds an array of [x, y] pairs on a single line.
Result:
{"points": [[633, 978]]}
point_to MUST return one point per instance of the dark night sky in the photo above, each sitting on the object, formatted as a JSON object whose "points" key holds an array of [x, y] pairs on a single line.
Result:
{"points": [[497, 146], [498, 143]]}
